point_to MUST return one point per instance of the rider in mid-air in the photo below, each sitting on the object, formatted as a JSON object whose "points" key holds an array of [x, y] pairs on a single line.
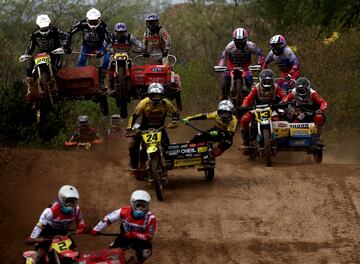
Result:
{"points": [[137, 226], [285, 59], [56, 220], [47, 38], [224, 127], [96, 38], [238, 54]]}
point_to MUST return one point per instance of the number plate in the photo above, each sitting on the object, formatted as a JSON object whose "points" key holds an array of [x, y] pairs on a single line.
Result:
{"points": [[151, 137], [263, 114], [121, 56], [61, 246], [187, 162], [42, 59], [300, 132]]}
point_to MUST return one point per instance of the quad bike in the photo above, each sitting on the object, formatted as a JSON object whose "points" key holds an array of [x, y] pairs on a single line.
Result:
{"points": [[60, 252], [119, 81], [144, 75], [83, 145], [44, 78], [238, 90]]}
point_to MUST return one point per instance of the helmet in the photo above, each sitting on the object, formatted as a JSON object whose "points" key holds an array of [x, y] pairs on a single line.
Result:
{"points": [[156, 92], [115, 120], [68, 197], [225, 110], [267, 79], [93, 18], [140, 203], [43, 21], [278, 44], [240, 37], [83, 120], [152, 22], [120, 27], [302, 87]]}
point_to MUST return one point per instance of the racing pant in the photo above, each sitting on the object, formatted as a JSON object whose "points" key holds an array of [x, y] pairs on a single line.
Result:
{"points": [[284, 85], [134, 148], [143, 248], [226, 83], [224, 141]]}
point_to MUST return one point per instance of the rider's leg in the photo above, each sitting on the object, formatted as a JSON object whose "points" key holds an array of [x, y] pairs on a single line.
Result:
{"points": [[244, 131], [134, 150], [83, 57], [225, 86], [319, 122], [222, 146], [31, 86], [248, 82]]}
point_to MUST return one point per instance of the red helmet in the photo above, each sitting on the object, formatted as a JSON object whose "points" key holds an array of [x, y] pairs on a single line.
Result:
{"points": [[240, 37]]}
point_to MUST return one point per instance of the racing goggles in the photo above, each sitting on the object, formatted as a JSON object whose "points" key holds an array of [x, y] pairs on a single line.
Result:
{"points": [[267, 83], [278, 47], [70, 202], [83, 124], [155, 97], [225, 116], [302, 90], [141, 205], [44, 30], [94, 22], [240, 42]]}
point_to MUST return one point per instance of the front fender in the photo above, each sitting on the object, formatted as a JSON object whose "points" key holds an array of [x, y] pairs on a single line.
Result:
{"points": [[152, 149]]}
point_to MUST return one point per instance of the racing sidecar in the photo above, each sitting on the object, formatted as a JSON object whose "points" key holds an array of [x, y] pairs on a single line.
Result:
{"points": [[297, 137], [81, 83]]}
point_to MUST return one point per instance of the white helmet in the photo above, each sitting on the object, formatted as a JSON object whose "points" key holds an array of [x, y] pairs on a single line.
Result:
{"points": [[43, 21], [68, 197], [140, 202], [226, 105], [93, 18], [115, 120], [156, 88], [225, 110]]}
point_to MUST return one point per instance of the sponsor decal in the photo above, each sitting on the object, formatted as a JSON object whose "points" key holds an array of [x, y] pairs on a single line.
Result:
{"points": [[282, 124], [173, 152], [188, 151], [170, 147], [300, 125], [156, 69]]}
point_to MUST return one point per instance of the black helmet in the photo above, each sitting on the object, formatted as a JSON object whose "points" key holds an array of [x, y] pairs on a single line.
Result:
{"points": [[302, 86], [267, 79]]}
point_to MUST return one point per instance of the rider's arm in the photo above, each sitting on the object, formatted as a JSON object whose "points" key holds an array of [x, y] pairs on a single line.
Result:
{"points": [[137, 43], [317, 99], [201, 116], [110, 219], [45, 217], [145, 40], [288, 98], [256, 50], [171, 109], [279, 92], [79, 220], [250, 98], [164, 35], [269, 58], [294, 61], [224, 57], [74, 28], [137, 112], [232, 127], [31, 45]]}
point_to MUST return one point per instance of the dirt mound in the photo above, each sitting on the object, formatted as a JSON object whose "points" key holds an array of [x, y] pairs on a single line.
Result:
{"points": [[294, 212]]}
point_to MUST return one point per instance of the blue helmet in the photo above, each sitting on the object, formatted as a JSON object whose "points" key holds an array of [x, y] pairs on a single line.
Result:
{"points": [[120, 27], [152, 17], [152, 22]]}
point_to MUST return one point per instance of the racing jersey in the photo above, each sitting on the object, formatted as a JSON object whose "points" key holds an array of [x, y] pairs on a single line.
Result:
{"points": [[286, 61], [153, 116], [88, 135], [218, 124], [156, 43], [258, 95], [313, 102], [53, 217], [143, 228], [92, 37], [125, 44], [240, 57], [46, 43]]}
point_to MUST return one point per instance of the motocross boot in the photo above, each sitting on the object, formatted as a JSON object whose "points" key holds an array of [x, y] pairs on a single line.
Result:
{"points": [[31, 88], [319, 141], [245, 141], [216, 152]]}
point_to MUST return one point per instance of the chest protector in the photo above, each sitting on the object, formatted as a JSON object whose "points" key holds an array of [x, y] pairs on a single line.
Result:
{"points": [[264, 96]]}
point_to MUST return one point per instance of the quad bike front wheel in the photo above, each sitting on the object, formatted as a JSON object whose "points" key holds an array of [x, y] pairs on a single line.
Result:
{"points": [[318, 156]]}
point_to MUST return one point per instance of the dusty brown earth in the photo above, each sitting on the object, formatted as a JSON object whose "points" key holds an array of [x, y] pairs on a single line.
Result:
{"points": [[294, 212]]}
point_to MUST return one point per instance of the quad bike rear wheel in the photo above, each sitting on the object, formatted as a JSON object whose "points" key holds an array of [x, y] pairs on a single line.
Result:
{"points": [[209, 174]]}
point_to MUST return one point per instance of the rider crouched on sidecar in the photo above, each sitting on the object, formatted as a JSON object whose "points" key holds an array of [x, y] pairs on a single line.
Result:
{"points": [[84, 137]]}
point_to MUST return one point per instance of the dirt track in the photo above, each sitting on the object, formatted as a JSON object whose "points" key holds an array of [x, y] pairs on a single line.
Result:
{"points": [[295, 212]]}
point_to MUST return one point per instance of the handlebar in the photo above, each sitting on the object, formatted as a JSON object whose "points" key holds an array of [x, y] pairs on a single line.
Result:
{"points": [[256, 67], [164, 59], [26, 57]]}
